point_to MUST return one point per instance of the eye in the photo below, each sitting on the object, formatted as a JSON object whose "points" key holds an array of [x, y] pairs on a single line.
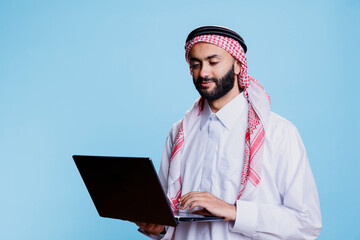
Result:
{"points": [[195, 65], [213, 63]]}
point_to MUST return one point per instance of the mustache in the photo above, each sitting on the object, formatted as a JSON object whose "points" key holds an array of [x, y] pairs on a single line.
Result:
{"points": [[201, 79]]}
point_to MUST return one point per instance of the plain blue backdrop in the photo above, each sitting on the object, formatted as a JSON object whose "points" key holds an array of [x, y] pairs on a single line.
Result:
{"points": [[110, 78]]}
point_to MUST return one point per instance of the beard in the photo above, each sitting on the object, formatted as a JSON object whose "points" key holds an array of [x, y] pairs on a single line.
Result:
{"points": [[222, 85]]}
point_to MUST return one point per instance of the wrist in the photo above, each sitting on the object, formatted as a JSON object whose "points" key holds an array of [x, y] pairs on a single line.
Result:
{"points": [[232, 213]]}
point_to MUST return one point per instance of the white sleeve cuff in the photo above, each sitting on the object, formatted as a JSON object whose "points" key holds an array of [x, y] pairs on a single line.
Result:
{"points": [[246, 218]]}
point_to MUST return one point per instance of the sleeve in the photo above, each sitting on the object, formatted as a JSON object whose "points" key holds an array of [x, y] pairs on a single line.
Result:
{"points": [[163, 177], [165, 159], [299, 216]]}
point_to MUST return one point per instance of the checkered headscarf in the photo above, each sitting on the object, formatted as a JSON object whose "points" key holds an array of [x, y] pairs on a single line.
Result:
{"points": [[259, 110]]}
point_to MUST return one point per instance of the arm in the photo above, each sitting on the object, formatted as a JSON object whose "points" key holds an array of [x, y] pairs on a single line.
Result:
{"points": [[298, 217], [155, 231]]}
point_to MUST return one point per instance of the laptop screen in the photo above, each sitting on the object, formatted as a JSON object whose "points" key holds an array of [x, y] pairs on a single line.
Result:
{"points": [[125, 188]]}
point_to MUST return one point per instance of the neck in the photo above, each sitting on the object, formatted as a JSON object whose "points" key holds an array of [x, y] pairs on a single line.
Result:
{"points": [[216, 105]]}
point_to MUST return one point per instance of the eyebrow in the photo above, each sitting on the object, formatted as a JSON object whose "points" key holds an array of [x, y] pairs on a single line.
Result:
{"points": [[207, 58]]}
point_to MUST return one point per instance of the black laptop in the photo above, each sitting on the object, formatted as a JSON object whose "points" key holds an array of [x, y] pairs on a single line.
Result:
{"points": [[128, 188]]}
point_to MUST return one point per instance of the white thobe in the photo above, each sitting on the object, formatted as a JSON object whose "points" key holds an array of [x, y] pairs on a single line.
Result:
{"points": [[284, 205]]}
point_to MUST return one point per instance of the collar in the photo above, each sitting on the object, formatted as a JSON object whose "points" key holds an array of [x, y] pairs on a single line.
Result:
{"points": [[228, 114]]}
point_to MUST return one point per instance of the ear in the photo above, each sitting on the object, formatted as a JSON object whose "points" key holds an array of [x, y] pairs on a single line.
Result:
{"points": [[237, 67]]}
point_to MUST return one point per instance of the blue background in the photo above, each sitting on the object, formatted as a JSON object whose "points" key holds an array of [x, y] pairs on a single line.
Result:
{"points": [[109, 78]]}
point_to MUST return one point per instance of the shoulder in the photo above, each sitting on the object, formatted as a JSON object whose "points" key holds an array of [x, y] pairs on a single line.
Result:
{"points": [[174, 130], [277, 121], [279, 125], [280, 132]]}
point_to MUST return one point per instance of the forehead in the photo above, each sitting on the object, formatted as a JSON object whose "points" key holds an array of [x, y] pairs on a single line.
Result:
{"points": [[204, 50]]}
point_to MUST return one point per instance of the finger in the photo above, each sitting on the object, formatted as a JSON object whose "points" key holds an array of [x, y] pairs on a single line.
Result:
{"points": [[197, 203], [203, 212], [150, 225], [188, 201], [154, 229], [195, 199], [189, 194], [140, 224], [158, 229], [183, 197], [146, 226], [188, 198]]}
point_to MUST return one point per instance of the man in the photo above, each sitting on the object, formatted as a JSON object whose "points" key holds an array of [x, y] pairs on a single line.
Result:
{"points": [[230, 156]]}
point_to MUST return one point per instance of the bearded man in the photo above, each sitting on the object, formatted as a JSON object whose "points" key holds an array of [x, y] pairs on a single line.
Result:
{"points": [[230, 156]]}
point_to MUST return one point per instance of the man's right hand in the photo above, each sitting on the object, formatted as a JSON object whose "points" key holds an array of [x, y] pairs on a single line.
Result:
{"points": [[154, 229]]}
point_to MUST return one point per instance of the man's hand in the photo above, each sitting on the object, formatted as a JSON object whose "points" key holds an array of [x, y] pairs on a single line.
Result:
{"points": [[210, 203], [154, 229]]}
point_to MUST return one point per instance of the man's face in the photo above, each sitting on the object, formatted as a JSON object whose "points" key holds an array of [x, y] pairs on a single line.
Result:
{"points": [[213, 70]]}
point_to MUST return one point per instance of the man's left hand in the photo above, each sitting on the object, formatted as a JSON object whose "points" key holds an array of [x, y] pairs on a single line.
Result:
{"points": [[209, 202]]}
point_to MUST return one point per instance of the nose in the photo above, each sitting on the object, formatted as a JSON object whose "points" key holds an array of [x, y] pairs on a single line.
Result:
{"points": [[204, 71]]}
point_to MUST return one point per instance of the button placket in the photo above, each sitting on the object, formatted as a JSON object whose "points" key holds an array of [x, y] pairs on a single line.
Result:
{"points": [[211, 154]]}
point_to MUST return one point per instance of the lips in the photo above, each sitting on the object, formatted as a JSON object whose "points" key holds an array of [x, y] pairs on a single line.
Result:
{"points": [[205, 84]]}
